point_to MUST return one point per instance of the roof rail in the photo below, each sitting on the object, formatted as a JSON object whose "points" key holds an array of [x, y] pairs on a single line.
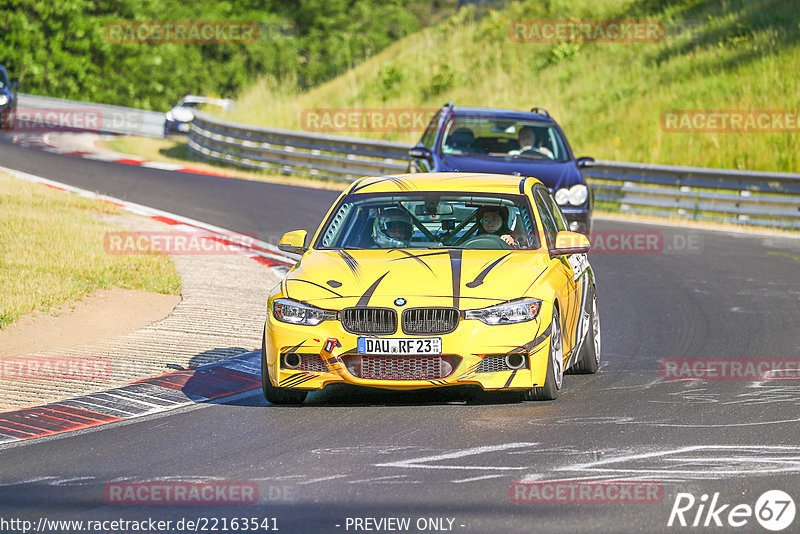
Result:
{"points": [[540, 111]]}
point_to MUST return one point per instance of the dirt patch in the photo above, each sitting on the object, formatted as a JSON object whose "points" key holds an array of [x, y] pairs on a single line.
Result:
{"points": [[101, 315]]}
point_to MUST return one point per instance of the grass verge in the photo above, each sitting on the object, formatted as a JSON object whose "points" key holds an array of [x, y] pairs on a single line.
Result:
{"points": [[52, 252]]}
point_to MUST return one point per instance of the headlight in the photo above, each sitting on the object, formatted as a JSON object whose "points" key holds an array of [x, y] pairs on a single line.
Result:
{"points": [[578, 194], [290, 311], [562, 197], [170, 116], [509, 313], [3, 100]]}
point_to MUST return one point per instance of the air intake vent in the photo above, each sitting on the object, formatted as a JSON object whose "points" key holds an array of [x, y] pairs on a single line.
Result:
{"points": [[430, 320], [369, 320], [380, 367]]}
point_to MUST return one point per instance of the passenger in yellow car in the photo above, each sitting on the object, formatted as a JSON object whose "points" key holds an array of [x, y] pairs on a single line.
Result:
{"points": [[493, 220], [392, 228]]}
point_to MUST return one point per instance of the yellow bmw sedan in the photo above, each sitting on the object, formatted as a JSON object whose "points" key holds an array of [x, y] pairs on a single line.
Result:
{"points": [[434, 280]]}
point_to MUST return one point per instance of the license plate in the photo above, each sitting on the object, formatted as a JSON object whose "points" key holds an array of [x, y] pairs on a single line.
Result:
{"points": [[399, 346]]}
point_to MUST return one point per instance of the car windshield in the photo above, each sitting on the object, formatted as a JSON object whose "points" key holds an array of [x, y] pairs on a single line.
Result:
{"points": [[502, 137], [431, 220], [189, 104]]}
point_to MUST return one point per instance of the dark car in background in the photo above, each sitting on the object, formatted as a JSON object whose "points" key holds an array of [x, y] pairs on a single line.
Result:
{"points": [[500, 141], [8, 99]]}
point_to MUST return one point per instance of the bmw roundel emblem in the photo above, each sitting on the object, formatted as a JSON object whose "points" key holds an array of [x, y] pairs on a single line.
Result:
{"points": [[399, 301]]}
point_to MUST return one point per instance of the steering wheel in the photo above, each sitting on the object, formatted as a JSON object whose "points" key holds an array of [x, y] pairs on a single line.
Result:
{"points": [[486, 241]]}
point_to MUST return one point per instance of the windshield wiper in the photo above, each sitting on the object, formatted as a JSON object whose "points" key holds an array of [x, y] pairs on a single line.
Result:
{"points": [[533, 156]]}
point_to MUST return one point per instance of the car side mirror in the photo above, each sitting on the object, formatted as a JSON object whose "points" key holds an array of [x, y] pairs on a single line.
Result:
{"points": [[570, 243], [294, 242], [584, 161], [14, 84], [420, 152]]}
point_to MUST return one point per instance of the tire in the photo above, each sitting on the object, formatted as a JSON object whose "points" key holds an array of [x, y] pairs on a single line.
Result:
{"points": [[555, 366], [273, 394], [589, 358], [5, 120]]}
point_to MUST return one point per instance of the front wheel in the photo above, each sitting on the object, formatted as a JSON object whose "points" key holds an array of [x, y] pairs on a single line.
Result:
{"points": [[273, 394], [555, 366], [589, 361]]}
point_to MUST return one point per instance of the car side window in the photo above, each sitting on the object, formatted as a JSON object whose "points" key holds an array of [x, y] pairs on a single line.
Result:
{"points": [[545, 209], [429, 136], [555, 209]]}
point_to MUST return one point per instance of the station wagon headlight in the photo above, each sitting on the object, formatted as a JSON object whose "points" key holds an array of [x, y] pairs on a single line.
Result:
{"points": [[290, 311], [578, 194], [575, 195], [508, 313]]}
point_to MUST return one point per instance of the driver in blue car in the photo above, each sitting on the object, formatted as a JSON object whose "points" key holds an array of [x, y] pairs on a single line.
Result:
{"points": [[493, 220], [392, 228], [529, 143]]}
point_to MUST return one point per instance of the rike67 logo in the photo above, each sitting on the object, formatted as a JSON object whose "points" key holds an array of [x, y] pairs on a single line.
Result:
{"points": [[774, 510]]}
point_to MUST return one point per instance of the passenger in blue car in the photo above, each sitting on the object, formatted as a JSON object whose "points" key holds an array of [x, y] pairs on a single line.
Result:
{"points": [[494, 220]]}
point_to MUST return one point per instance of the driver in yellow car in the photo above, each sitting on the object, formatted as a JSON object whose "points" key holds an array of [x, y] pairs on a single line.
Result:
{"points": [[392, 228], [492, 220]]}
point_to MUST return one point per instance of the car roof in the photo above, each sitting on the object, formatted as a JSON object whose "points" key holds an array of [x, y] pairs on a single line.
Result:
{"points": [[467, 182], [223, 102], [514, 114]]}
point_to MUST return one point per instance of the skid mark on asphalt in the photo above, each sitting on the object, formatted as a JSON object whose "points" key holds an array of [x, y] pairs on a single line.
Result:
{"points": [[699, 462], [427, 462], [757, 393], [670, 464]]}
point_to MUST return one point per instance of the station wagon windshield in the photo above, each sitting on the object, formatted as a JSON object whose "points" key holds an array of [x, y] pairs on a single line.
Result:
{"points": [[431, 220], [506, 138]]}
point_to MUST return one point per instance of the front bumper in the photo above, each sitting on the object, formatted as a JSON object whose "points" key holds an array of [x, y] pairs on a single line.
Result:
{"points": [[579, 219], [176, 127], [467, 346]]}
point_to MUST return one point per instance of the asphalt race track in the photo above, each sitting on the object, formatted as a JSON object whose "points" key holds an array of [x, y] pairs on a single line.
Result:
{"points": [[445, 459]]}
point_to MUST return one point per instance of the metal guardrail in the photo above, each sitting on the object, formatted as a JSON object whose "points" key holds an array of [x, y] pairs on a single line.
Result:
{"points": [[294, 152], [113, 119], [740, 197]]}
